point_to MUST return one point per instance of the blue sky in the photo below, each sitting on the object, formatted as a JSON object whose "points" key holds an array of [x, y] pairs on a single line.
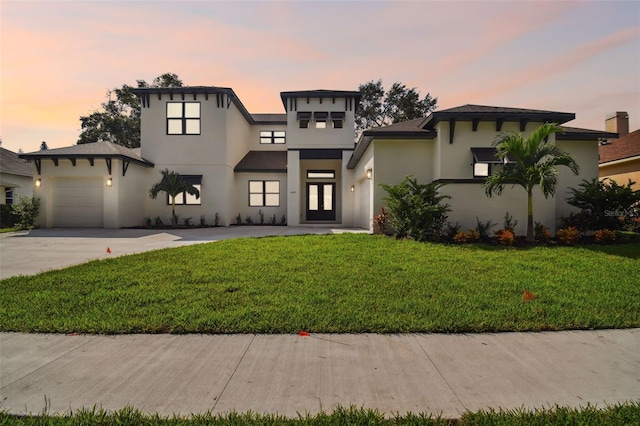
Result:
{"points": [[59, 58]]}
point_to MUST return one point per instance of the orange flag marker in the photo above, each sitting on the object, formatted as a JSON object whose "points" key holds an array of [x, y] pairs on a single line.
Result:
{"points": [[304, 334], [108, 250], [528, 296]]}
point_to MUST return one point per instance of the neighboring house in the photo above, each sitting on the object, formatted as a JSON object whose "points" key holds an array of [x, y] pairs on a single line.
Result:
{"points": [[16, 177], [620, 158], [302, 165]]}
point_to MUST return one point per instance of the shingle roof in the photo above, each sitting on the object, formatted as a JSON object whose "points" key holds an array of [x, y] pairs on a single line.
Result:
{"points": [[11, 163], [624, 147], [270, 118], [484, 112], [263, 161], [92, 150], [573, 133]]}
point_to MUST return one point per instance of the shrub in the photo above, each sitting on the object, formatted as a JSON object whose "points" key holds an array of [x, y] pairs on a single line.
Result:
{"points": [[26, 210], [216, 219], [569, 235], [147, 221], [509, 223], [158, 221], [542, 232], [604, 204], [506, 237], [461, 237], [604, 236], [283, 220], [260, 217], [416, 209], [187, 221], [239, 219], [249, 220], [8, 217], [450, 230], [474, 235], [273, 220], [483, 228], [203, 221]]}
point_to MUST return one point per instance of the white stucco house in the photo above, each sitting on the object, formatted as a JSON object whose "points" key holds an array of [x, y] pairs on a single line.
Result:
{"points": [[302, 164]]}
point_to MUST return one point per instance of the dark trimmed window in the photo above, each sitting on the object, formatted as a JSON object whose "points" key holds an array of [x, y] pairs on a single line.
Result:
{"points": [[187, 199], [303, 119], [337, 117], [183, 118], [8, 196], [272, 136], [483, 159], [264, 193]]}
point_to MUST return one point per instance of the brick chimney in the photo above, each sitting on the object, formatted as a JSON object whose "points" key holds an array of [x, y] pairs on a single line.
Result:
{"points": [[618, 122]]}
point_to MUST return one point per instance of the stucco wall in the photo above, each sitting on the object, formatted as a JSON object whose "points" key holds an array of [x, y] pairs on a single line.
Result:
{"points": [[133, 193], [621, 172], [320, 138], [24, 188], [241, 205]]}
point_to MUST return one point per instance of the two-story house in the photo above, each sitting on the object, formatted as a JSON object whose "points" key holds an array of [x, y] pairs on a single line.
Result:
{"points": [[301, 165]]}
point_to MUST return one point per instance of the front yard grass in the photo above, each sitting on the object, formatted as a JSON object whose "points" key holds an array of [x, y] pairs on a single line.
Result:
{"points": [[349, 283]]}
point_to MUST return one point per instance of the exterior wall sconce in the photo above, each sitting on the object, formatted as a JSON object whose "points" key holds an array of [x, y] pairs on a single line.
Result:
{"points": [[353, 188], [38, 183], [109, 182], [369, 173]]}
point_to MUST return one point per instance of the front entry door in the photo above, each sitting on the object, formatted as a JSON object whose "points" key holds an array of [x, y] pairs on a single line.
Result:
{"points": [[321, 201]]}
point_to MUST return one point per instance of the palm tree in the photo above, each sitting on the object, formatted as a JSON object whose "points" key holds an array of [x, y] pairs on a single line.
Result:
{"points": [[173, 184], [529, 162]]}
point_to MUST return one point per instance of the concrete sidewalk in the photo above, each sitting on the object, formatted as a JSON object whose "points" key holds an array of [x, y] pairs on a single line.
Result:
{"points": [[38, 250], [290, 374]]}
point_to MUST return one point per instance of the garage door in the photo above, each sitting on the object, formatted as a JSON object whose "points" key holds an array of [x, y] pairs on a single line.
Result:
{"points": [[77, 203]]}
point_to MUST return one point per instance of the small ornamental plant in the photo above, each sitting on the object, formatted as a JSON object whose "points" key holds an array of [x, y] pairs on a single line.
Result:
{"points": [[605, 236], [542, 232], [568, 235], [473, 235], [381, 221], [461, 237], [506, 238]]}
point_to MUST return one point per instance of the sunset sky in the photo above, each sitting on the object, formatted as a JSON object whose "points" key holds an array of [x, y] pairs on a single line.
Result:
{"points": [[59, 58]]}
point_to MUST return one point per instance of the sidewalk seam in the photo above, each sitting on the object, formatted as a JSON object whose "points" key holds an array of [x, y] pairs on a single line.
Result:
{"points": [[234, 373], [440, 373]]}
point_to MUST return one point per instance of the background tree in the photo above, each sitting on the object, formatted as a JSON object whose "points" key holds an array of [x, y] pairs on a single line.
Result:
{"points": [[398, 104], [43, 146], [173, 184], [531, 161], [119, 119]]}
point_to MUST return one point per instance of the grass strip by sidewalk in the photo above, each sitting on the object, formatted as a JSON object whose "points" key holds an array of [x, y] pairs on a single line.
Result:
{"points": [[613, 415], [347, 283]]}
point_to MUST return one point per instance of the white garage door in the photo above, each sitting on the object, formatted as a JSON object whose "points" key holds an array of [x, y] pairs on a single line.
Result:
{"points": [[77, 203]]}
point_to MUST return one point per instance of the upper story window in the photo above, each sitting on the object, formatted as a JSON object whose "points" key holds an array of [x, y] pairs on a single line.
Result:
{"points": [[183, 118], [337, 118], [321, 119], [272, 136], [303, 119], [483, 159]]}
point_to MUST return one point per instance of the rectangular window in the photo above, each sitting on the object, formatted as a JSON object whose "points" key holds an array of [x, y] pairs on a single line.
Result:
{"points": [[187, 199], [321, 174], [264, 193], [303, 119], [481, 169], [337, 124], [321, 124], [337, 117], [275, 136], [8, 196], [183, 118]]}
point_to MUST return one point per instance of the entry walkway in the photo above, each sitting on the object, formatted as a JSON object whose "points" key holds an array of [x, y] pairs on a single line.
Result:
{"points": [[290, 374], [30, 252]]}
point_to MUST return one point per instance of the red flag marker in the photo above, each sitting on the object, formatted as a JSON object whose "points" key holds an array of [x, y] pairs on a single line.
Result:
{"points": [[528, 296], [108, 250], [303, 334]]}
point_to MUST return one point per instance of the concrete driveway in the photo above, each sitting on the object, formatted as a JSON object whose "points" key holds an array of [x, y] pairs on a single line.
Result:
{"points": [[38, 250]]}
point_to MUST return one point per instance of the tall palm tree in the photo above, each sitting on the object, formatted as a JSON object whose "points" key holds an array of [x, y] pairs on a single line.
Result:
{"points": [[173, 184], [529, 162]]}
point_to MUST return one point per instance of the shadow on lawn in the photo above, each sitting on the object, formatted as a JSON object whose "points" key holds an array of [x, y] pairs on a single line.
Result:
{"points": [[628, 250]]}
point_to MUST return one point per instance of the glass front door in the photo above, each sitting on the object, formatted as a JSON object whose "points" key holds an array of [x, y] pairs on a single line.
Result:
{"points": [[321, 201]]}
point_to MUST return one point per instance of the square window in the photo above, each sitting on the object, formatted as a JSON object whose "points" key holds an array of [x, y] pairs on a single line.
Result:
{"points": [[264, 193], [304, 124], [480, 169], [337, 124], [183, 118], [321, 124]]}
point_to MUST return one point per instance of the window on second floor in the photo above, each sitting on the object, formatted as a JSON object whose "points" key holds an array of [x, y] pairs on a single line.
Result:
{"points": [[272, 136], [483, 160], [183, 118]]}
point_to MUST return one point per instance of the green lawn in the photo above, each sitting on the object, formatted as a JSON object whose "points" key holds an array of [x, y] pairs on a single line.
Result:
{"points": [[332, 283], [612, 415]]}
